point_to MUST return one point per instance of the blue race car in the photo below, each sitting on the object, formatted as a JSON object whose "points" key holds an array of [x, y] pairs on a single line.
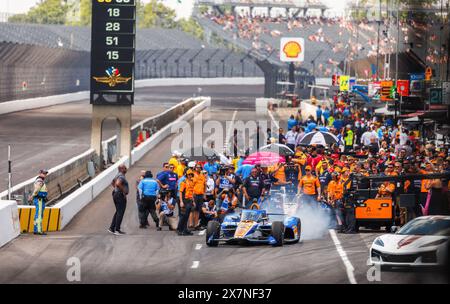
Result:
{"points": [[254, 226]]}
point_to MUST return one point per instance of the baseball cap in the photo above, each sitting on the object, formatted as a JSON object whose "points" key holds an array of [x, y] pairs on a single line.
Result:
{"points": [[308, 168], [189, 172], [43, 171]]}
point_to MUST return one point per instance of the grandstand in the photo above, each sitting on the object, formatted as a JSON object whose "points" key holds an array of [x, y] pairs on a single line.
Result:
{"points": [[79, 38], [329, 41], [330, 38]]}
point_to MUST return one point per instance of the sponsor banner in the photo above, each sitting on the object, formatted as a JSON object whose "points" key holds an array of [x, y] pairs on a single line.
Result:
{"points": [[386, 87], [344, 83], [403, 87], [373, 88], [352, 82], [292, 49]]}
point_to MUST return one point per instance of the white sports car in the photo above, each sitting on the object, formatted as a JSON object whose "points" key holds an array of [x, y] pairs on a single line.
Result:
{"points": [[423, 241]]}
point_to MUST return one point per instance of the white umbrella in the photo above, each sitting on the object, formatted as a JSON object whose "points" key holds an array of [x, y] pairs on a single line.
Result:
{"points": [[278, 148], [319, 138]]}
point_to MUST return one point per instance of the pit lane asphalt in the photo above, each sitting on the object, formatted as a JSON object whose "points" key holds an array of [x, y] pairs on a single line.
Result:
{"points": [[46, 137], [149, 256]]}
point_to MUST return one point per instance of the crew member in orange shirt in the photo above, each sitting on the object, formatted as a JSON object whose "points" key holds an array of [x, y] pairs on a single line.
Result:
{"points": [[199, 196], [335, 195], [425, 183], [186, 202], [309, 186]]}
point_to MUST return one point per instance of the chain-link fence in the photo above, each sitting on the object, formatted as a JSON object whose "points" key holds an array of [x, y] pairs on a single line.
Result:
{"points": [[28, 71]]}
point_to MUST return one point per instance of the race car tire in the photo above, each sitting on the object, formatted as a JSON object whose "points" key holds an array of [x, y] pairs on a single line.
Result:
{"points": [[213, 229], [278, 233]]}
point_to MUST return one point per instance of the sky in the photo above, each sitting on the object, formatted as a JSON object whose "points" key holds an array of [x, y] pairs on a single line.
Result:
{"points": [[183, 9]]}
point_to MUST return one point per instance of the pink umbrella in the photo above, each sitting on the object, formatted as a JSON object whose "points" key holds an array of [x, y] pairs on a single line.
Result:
{"points": [[264, 159]]}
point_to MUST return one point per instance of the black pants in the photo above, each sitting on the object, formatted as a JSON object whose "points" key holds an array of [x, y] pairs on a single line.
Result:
{"points": [[148, 207], [350, 221], [184, 215], [120, 201]]}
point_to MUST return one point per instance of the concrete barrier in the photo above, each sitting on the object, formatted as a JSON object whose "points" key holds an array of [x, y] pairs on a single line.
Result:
{"points": [[60, 180], [162, 82], [40, 102], [9, 222], [149, 144], [74, 202]]}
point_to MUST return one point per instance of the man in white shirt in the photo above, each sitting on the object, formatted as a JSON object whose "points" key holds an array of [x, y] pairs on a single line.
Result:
{"points": [[291, 138], [366, 137]]}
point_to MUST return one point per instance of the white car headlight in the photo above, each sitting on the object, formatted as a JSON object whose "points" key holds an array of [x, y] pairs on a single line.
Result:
{"points": [[378, 242], [434, 243]]}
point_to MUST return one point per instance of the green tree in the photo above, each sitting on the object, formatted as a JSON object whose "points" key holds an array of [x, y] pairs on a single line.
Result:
{"points": [[157, 14], [191, 26], [85, 12]]}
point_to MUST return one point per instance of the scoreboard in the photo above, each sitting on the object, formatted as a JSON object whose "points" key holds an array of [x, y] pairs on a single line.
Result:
{"points": [[113, 42]]}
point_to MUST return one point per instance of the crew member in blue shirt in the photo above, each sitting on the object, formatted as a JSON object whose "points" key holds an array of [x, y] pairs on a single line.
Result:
{"points": [[148, 190], [211, 166], [168, 180]]}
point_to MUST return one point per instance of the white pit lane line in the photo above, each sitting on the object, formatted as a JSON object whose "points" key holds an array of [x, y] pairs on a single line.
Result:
{"points": [[348, 265], [202, 232], [195, 264], [198, 246]]}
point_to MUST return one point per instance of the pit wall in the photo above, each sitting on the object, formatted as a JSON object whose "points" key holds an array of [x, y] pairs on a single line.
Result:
{"points": [[9, 222]]}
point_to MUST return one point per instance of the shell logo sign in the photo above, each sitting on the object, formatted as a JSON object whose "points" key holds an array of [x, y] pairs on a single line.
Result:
{"points": [[292, 49]]}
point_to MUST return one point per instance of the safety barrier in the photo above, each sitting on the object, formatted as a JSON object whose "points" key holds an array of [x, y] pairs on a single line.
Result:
{"points": [[69, 175], [51, 220], [77, 200], [149, 144], [9, 222], [60, 180]]}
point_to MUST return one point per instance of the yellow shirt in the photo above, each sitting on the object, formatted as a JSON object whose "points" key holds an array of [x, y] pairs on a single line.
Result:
{"points": [[180, 170], [234, 162], [174, 162]]}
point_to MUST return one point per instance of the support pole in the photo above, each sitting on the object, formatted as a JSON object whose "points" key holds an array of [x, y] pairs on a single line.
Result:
{"points": [[9, 172]]}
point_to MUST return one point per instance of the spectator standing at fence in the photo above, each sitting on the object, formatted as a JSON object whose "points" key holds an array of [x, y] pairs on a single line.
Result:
{"points": [[119, 194], [39, 198]]}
